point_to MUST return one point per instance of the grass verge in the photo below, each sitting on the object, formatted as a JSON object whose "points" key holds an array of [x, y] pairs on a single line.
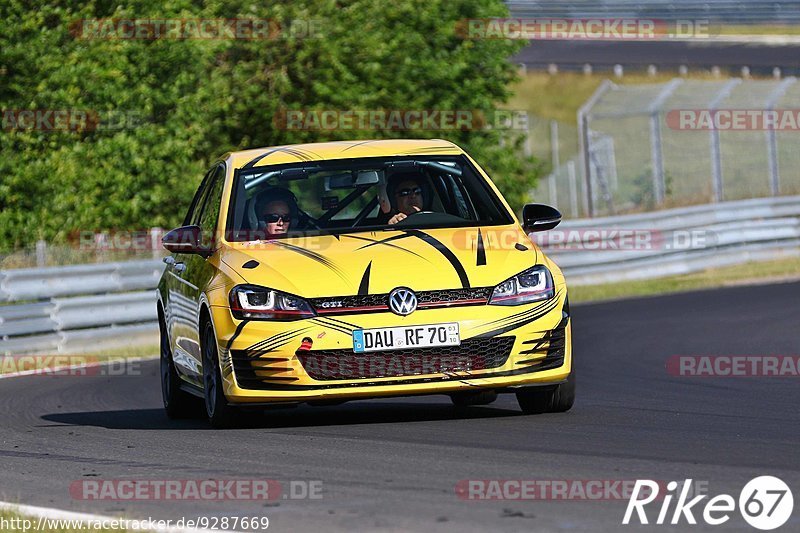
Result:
{"points": [[559, 96], [42, 362], [745, 274], [755, 29]]}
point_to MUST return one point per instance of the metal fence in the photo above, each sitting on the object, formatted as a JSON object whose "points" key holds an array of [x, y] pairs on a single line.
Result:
{"points": [[90, 247], [555, 143], [654, 146], [675, 241], [64, 309]]}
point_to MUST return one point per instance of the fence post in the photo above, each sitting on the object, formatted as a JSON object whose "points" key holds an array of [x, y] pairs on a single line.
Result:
{"points": [[554, 146], [657, 158], [772, 140], [716, 156], [656, 152], [573, 188], [584, 143], [155, 241], [552, 185], [526, 148], [41, 253]]}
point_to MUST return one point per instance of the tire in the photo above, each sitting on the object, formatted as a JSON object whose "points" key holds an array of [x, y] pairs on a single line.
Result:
{"points": [[177, 403], [558, 399], [220, 414], [465, 399]]}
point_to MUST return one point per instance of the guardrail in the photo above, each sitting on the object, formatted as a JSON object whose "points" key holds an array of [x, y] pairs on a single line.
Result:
{"points": [[674, 241], [77, 307], [64, 309]]}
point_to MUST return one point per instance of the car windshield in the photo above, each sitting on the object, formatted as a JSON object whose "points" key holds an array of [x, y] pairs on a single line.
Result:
{"points": [[341, 196]]}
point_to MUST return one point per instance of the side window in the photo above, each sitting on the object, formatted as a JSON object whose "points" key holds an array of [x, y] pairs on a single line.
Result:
{"points": [[210, 213], [197, 202]]}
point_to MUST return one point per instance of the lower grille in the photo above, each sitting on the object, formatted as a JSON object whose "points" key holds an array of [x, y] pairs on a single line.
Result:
{"points": [[548, 351], [473, 354]]}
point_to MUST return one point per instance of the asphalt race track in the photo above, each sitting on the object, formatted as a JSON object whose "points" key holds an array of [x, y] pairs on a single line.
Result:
{"points": [[394, 464], [760, 58]]}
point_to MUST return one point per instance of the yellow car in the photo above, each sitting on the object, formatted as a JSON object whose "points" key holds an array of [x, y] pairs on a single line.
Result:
{"points": [[336, 271]]}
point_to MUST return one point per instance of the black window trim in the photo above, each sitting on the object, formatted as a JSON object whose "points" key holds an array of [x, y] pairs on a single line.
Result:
{"points": [[210, 187], [230, 233], [198, 195]]}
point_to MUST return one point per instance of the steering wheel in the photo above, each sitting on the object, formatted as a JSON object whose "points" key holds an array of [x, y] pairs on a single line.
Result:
{"points": [[405, 220], [308, 219]]}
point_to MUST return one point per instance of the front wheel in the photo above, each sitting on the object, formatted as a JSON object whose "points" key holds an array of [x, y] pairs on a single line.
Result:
{"points": [[177, 403], [556, 399], [220, 414]]}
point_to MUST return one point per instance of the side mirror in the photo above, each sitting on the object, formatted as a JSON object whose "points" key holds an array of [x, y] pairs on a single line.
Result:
{"points": [[540, 217], [185, 240]]}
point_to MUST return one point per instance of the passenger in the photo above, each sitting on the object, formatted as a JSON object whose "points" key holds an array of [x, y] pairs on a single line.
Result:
{"points": [[276, 208]]}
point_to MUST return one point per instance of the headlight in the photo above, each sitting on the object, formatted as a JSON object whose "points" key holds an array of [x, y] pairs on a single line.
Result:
{"points": [[532, 285], [261, 303]]}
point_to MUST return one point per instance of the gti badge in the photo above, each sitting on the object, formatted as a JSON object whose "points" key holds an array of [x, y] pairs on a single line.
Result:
{"points": [[402, 301]]}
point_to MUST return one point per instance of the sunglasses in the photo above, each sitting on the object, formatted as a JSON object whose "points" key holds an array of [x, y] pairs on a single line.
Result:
{"points": [[409, 192], [273, 218]]}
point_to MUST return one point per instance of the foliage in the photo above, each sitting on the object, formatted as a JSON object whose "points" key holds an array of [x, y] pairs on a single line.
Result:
{"points": [[187, 101]]}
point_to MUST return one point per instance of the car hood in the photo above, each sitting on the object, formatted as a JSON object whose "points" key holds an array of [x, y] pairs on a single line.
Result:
{"points": [[377, 262]]}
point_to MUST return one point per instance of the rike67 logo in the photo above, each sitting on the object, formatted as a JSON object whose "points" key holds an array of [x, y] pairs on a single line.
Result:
{"points": [[765, 503]]}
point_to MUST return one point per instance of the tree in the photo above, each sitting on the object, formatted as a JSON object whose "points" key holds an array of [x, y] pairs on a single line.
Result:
{"points": [[179, 103]]}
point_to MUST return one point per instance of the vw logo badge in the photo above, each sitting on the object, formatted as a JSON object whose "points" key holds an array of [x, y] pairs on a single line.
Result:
{"points": [[402, 301]]}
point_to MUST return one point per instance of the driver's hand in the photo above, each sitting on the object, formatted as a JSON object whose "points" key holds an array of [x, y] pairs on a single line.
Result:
{"points": [[400, 216], [397, 218]]}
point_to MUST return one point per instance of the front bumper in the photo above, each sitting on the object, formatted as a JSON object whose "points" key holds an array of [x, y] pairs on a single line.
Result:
{"points": [[502, 348]]}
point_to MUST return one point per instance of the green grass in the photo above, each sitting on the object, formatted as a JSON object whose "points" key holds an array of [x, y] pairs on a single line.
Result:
{"points": [[559, 96], [746, 29], [126, 352], [686, 154], [748, 273]]}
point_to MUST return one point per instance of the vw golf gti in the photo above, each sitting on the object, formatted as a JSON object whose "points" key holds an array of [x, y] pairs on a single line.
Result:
{"points": [[336, 271]]}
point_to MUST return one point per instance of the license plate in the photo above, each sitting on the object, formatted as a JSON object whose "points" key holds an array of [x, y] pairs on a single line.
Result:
{"points": [[404, 337]]}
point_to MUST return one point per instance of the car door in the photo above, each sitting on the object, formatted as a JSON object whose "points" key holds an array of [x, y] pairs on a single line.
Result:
{"points": [[193, 273], [179, 314]]}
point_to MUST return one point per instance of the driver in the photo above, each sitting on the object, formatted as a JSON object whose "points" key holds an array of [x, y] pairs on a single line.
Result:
{"points": [[408, 196], [275, 209]]}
